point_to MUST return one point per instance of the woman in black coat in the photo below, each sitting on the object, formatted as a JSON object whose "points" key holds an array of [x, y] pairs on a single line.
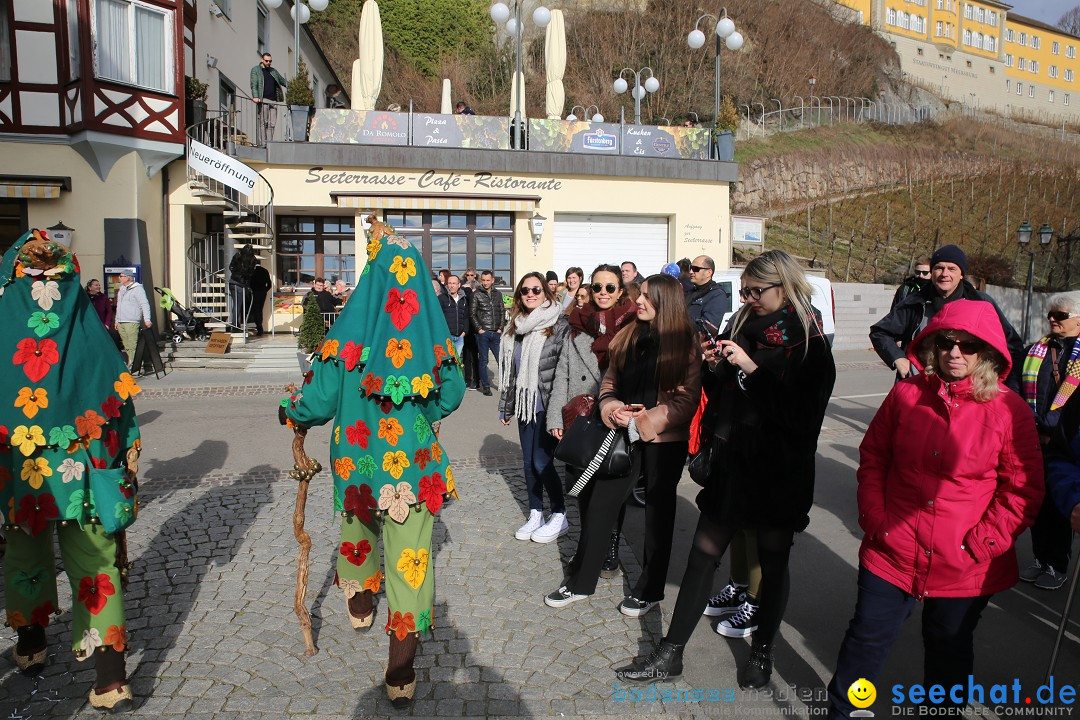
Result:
{"points": [[775, 373]]}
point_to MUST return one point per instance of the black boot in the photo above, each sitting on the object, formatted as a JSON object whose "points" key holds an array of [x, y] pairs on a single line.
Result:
{"points": [[31, 650], [758, 668], [610, 568], [111, 689], [665, 663]]}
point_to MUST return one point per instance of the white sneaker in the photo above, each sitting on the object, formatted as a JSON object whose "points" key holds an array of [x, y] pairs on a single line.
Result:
{"points": [[536, 519], [552, 529]]}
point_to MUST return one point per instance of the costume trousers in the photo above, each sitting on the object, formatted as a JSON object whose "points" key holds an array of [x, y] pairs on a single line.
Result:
{"points": [[1051, 536], [89, 554], [538, 451], [948, 628], [711, 539], [600, 504], [488, 340], [410, 580]]}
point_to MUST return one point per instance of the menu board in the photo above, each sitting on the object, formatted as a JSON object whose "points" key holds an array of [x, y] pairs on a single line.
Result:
{"points": [[461, 131]]}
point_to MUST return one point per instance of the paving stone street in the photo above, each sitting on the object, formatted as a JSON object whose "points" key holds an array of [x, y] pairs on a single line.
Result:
{"points": [[212, 631]]}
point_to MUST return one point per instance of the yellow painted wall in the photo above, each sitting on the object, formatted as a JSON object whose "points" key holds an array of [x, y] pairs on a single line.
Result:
{"points": [[912, 9], [861, 6], [985, 28], [1045, 57]]}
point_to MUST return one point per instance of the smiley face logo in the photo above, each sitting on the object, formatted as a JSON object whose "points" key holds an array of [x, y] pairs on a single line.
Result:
{"points": [[862, 693]]}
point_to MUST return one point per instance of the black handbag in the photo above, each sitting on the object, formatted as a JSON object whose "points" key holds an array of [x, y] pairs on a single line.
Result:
{"points": [[702, 462], [600, 451]]}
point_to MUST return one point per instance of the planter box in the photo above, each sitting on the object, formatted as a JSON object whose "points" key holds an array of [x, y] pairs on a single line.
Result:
{"points": [[298, 116], [725, 146]]}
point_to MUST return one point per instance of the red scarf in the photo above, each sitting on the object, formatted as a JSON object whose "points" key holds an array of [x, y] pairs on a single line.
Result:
{"points": [[601, 325]]}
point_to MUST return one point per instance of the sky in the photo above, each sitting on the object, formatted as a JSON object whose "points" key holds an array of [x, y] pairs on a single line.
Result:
{"points": [[1047, 11]]}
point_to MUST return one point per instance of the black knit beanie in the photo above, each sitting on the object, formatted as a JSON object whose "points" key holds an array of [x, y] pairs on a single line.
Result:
{"points": [[950, 254]]}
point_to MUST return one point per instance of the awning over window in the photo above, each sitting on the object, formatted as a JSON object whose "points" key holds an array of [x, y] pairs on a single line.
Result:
{"points": [[416, 201], [33, 187]]}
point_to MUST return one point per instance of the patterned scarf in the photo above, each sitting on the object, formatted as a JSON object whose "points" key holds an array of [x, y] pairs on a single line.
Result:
{"points": [[1030, 375]]}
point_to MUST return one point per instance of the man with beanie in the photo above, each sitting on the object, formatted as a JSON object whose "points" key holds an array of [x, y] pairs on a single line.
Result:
{"points": [[892, 334], [552, 279]]}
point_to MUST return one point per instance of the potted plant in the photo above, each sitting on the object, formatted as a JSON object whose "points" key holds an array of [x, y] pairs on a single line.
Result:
{"points": [[300, 98], [726, 123], [312, 332], [194, 100]]}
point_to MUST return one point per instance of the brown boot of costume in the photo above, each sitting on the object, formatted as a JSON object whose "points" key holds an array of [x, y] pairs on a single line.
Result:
{"points": [[111, 689], [361, 610], [400, 676], [31, 649]]}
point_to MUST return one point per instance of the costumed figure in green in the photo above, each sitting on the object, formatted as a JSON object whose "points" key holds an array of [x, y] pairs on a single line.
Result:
{"points": [[386, 374], [69, 447]]}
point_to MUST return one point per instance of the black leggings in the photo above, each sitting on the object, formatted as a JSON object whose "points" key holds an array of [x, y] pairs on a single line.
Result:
{"points": [[711, 541]]}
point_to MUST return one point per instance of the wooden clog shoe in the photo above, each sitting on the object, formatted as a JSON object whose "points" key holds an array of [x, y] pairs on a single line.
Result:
{"points": [[114, 700], [32, 662], [401, 695], [361, 623]]}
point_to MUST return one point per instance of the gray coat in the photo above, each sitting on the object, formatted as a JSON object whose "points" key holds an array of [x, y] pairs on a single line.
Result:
{"points": [[577, 373], [549, 359]]}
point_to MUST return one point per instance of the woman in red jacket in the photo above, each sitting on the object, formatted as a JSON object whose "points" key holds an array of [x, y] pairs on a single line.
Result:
{"points": [[950, 475]]}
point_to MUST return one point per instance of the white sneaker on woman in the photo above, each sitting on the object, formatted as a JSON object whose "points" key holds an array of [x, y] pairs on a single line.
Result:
{"points": [[536, 519], [552, 529]]}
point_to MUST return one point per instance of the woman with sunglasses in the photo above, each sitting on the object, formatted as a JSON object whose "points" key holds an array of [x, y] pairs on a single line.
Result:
{"points": [[651, 387], [528, 355], [950, 475], [583, 362], [1047, 386], [773, 375]]}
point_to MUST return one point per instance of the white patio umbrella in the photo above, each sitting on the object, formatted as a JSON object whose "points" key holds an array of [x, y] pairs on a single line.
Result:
{"points": [[555, 60], [445, 107], [367, 69]]}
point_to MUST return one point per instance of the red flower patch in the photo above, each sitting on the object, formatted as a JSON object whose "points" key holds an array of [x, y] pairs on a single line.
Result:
{"points": [[41, 614], [356, 554], [358, 434], [360, 502], [432, 490], [111, 407], [401, 625], [386, 406], [402, 307], [99, 463], [422, 457], [36, 357], [372, 384], [94, 592], [351, 355], [5, 438], [112, 442], [35, 512]]}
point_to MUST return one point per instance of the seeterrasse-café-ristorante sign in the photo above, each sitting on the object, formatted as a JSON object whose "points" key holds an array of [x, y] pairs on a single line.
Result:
{"points": [[431, 180]]}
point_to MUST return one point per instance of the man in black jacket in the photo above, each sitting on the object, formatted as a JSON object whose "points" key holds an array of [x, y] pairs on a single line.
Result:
{"points": [[260, 285], [455, 306], [486, 313], [707, 300], [948, 266]]}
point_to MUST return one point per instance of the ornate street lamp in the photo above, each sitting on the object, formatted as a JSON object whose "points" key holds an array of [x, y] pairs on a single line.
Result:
{"points": [[726, 32], [500, 13], [651, 85]]}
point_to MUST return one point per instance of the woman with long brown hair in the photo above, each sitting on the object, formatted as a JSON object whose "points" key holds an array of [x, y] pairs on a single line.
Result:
{"points": [[651, 388], [528, 355]]}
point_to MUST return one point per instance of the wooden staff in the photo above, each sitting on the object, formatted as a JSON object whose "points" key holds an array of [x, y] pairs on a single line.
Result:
{"points": [[303, 470]]}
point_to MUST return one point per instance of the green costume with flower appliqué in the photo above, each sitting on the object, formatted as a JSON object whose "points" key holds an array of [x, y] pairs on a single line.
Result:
{"points": [[385, 373], [67, 432]]}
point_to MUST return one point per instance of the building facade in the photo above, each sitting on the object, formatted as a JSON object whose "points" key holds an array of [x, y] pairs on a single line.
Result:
{"points": [[980, 53]]}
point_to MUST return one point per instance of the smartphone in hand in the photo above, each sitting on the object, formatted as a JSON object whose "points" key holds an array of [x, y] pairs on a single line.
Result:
{"points": [[709, 331], [634, 407]]}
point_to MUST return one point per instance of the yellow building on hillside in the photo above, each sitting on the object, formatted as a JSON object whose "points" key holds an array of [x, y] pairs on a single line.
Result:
{"points": [[980, 53]]}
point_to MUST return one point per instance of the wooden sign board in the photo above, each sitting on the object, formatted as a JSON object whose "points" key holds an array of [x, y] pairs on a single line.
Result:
{"points": [[218, 344]]}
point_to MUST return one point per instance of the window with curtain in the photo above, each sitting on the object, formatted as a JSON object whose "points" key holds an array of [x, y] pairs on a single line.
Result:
{"points": [[74, 60], [5, 43], [262, 29], [133, 44]]}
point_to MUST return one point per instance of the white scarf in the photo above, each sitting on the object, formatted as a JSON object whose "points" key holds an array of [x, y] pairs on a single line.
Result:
{"points": [[532, 327]]}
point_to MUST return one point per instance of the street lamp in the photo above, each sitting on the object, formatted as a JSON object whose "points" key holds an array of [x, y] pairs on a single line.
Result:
{"points": [[1046, 234], [1023, 237], [652, 84], [596, 117], [500, 13], [725, 30], [300, 13]]}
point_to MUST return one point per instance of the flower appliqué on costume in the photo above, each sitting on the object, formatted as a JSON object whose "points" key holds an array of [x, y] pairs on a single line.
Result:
{"points": [[42, 322], [71, 470], [35, 470], [15, 619], [401, 625], [36, 357], [402, 307], [89, 424], [349, 587], [422, 385], [374, 582], [351, 355], [372, 384], [403, 269], [360, 502], [366, 466], [329, 348], [451, 487], [394, 462], [356, 553], [390, 430], [397, 387], [373, 248], [94, 592], [422, 429], [344, 466], [395, 501], [29, 582], [398, 351], [116, 637], [413, 566], [440, 354], [431, 492], [358, 434], [80, 504], [422, 457], [423, 623], [436, 452], [42, 614], [91, 640], [126, 386], [111, 407], [31, 400], [45, 293], [27, 439], [62, 436], [35, 512]]}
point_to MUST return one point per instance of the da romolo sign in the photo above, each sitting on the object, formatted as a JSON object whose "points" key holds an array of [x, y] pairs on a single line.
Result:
{"points": [[431, 181]]}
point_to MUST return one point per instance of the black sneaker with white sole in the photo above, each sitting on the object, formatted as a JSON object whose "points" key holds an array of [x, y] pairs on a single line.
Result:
{"points": [[632, 607], [727, 601], [562, 597], [740, 624]]}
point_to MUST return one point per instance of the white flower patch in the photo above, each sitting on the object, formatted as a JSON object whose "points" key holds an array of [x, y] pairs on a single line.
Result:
{"points": [[91, 640], [45, 293], [71, 470]]}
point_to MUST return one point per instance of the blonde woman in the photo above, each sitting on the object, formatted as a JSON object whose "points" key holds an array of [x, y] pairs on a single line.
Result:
{"points": [[774, 374]]}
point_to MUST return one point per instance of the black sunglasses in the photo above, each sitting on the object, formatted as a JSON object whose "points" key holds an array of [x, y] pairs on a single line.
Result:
{"points": [[531, 289], [755, 292], [698, 268], [610, 288], [924, 273], [1058, 315], [967, 347]]}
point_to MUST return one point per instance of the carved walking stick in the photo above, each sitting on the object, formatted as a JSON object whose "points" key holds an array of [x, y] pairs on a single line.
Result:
{"points": [[304, 468]]}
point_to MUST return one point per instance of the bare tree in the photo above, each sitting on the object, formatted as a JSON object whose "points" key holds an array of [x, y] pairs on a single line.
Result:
{"points": [[1070, 21]]}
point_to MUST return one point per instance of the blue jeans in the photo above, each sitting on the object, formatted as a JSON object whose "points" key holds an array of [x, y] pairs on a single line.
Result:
{"points": [[537, 450], [459, 344], [485, 340], [948, 629]]}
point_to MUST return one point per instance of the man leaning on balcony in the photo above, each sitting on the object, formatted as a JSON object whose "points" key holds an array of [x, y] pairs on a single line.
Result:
{"points": [[267, 90]]}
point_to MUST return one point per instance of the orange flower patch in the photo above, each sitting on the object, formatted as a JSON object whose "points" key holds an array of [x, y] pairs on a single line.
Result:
{"points": [[372, 384], [402, 625], [89, 425], [330, 347], [440, 354], [126, 387], [390, 430], [436, 452], [398, 351], [116, 636], [31, 400], [374, 582], [344, 466]]}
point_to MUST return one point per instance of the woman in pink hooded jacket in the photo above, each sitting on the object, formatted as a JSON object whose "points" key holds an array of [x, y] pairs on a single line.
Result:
{"points": [[950, 475]]}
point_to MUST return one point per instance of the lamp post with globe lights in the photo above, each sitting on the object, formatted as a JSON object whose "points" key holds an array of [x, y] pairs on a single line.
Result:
{"points": [[651, 85], [300, 13], [595, 117], [1023, 237], [500, 13], [726, 34]]}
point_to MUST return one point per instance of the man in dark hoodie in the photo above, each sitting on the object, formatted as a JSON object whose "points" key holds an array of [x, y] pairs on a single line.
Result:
{"points": [[892, 334], [708, 300]]}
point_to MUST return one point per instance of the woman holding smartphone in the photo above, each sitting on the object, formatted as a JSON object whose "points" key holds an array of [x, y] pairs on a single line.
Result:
{"points": [[651, 388]]}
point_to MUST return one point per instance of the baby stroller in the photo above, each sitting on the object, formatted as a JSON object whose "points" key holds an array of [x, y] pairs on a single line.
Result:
{"points": [[182, 319]]}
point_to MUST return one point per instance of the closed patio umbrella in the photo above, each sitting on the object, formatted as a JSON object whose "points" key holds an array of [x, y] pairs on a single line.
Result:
{"points": [[446, 107], [367, 69], [555, 60]]}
